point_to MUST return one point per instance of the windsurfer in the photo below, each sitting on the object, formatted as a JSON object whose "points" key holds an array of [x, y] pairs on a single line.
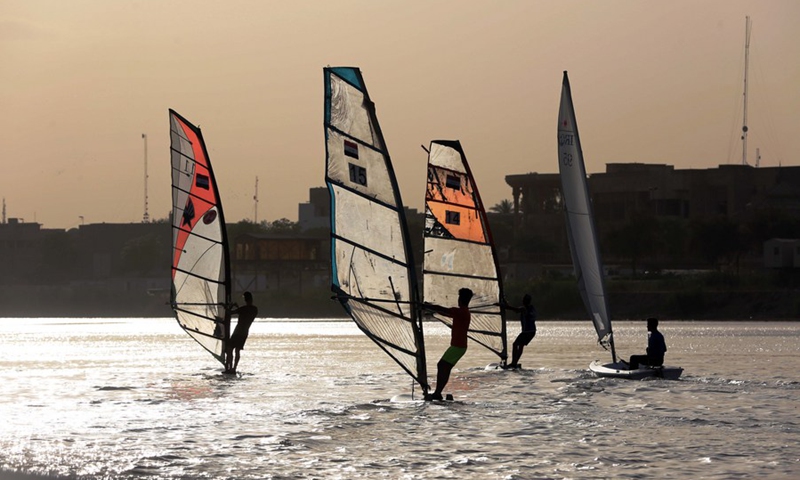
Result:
{"points": [[458, 339], [656, 348], [527, 319], [247, 314]]}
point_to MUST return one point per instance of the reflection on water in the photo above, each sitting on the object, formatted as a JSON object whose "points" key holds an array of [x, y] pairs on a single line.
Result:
{"points": [[137, 398]]}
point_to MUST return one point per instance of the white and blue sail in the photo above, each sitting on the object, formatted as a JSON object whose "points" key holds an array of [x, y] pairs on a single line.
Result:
{"points": [[372, 268], [581, 231], [201, 283], [458, 248]]}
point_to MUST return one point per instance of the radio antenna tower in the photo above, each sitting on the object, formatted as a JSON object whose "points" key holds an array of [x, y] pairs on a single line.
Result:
{"points": [[255, 203], [747, 26], [146, 216]]}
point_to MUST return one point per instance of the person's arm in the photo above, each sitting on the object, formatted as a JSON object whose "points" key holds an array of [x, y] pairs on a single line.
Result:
{"points": [[437, 309], [510, 307]]}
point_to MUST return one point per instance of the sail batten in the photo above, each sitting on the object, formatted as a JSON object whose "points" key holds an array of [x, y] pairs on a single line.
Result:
{"points": [[372, 269], [581, 231], [458, 246], [201, 283]]}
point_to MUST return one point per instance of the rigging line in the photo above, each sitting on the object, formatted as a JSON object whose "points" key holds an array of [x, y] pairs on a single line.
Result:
{"points": [[369, 250], [393, 356], [382, 310], [351, 271], [195, 314], [193, 234], [206, 304], [186, 157], [456, 239], [361, 194], [193, 195], [445, 202], [394, 294], [383, 343], [446, 169], [191, 274], [459, 275], [373, 299], [181, 134]]}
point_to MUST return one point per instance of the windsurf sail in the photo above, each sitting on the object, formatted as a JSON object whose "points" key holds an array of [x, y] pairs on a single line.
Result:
{"points": [[459, 251], [581, 231], [201, 283], [372, 268]]}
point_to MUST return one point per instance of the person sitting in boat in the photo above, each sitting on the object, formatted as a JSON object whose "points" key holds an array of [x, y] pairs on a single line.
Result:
{"points": [[458, 339], [527, 318], [247, 314], [656, 348]]}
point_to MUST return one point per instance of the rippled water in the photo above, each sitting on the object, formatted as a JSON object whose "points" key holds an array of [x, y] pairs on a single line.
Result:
{"points": [[137, 398]]}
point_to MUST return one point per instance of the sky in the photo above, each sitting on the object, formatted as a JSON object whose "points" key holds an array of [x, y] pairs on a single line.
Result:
{"points": [[652, 82]]}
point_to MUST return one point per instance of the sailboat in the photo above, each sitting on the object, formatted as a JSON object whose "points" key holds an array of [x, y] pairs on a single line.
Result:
{"points": [[458, 246], [583, 246], [372, 267], [201, 283]]}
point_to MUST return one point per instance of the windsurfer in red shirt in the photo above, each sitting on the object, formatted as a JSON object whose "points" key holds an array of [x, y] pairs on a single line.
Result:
{"points": [[458, 339]]}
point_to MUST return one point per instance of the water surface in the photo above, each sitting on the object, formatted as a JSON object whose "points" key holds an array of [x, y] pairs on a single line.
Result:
{"points": [[137, 398]]}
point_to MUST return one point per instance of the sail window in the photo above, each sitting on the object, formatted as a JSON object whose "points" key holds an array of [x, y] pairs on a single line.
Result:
{"points": [[358, 174], [453, 182], [201, 181], [452, 218]]}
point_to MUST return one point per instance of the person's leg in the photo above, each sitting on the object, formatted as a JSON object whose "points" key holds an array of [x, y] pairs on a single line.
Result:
{"points": [[236, 362], [442, 377], [516, 352], [228, 358], [636, 360]]}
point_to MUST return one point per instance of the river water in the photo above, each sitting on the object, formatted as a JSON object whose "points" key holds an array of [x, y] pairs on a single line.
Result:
{"points": [[137, 398]]}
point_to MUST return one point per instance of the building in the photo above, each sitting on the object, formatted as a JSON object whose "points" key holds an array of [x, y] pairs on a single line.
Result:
{"points": [[626, 192], [782, 253], [279, 263], [316, 213]]}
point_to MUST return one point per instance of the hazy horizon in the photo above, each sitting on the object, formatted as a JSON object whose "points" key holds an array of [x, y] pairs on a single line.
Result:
{"points": [[652, 83]]}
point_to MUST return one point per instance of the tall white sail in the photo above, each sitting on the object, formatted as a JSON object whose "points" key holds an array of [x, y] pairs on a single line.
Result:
{"points": [[372, 272], [459, 251], [201, 282], [580, 220]]}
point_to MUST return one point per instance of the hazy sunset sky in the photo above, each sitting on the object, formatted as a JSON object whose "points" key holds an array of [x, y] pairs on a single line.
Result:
{"points": [[652, 82]]}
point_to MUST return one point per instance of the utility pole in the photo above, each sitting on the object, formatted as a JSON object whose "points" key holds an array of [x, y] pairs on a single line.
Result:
{"points": [[746, 62], [255, 203], [146, 216]]}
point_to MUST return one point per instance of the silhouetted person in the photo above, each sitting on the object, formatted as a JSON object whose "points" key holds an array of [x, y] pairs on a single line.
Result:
{"points": [[527, 320], [458, 339], [247, 314], [656, 348]]}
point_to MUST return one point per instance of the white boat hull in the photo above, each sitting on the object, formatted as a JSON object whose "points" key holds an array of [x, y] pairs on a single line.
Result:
{"points": [[620, 370]]}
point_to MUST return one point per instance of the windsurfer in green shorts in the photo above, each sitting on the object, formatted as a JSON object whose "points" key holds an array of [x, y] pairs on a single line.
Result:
{"points": [[458, 339]]}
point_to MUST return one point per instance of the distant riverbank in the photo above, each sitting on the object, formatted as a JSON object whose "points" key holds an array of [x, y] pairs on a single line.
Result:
{"points": [[554, 300]]}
